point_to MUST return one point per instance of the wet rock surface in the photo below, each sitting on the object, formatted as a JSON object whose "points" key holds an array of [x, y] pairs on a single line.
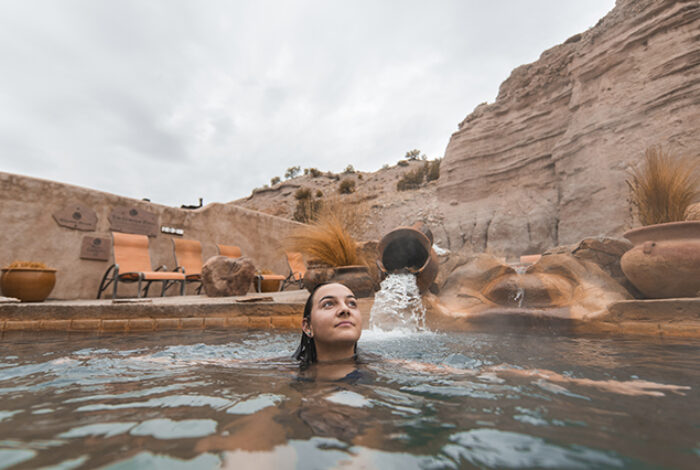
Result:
{"points": [[565, 285]]}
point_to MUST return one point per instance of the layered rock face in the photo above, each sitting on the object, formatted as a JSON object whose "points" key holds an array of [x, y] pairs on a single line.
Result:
{"points": [[546, 163]]}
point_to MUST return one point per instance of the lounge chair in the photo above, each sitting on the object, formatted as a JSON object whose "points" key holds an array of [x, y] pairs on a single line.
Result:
{"points": [[132, 263], [188, 256], [297, 269], [229, 250]]}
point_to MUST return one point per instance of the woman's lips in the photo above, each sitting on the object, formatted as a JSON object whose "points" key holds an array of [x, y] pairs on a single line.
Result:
{"points": [[345, 323]]}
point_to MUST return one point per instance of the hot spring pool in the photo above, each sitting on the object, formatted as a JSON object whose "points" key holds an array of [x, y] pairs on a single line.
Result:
{"points": [[204, 400]]}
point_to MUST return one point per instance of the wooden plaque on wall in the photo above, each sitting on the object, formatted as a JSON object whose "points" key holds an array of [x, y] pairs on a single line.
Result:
{"points": [[133, 220], [97, 248], [76, 216]]}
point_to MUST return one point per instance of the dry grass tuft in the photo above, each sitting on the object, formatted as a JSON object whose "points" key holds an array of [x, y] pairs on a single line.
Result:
{"points": [[664, 187], [27, 265], [351, 212], [326, 241]]}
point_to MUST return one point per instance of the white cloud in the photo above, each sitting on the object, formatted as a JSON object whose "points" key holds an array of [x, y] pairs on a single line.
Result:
{"points": [[177, 100]]}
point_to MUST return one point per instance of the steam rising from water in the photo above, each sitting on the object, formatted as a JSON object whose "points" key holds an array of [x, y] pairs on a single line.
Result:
{"points": [[398, 306]]}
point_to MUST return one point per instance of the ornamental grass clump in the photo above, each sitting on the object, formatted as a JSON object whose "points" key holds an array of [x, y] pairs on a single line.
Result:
{"points": [[26, 265], [325, 242], [664, 187]]}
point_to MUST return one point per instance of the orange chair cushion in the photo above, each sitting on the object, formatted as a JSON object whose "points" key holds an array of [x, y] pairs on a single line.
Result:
{"points": [[154, 276], [230, 250], [188, 255]]}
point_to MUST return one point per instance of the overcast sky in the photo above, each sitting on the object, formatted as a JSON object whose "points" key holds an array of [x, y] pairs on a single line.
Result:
{"points": [[175, 100]]}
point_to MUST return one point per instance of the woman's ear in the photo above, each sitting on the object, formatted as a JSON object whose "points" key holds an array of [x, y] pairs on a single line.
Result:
{"points": [[306, 327]]}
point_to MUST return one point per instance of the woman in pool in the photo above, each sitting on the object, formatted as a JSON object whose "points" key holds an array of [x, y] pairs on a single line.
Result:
{"points": [[331, 327]]}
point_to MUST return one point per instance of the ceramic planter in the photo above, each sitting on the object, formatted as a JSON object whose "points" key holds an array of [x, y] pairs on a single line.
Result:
{"points": [[665, 260], [409, 250], [356, 278], [28, 284]]}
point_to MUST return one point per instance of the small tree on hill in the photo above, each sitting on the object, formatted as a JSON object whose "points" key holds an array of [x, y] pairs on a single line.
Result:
{"points": [[412, 155], [292, 171]]}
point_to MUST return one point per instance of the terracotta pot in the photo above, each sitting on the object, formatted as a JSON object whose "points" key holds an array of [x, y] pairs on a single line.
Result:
{"points": [[28, 284], [356, 278], [665, 260], [410, 250], [316, 275]]}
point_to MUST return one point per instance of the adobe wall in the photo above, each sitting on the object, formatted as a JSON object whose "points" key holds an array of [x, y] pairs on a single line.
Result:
{"points": [[28, 232]]}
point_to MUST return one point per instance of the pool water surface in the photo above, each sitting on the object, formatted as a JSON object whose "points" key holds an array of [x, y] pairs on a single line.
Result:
{"points": [[213, 399]]}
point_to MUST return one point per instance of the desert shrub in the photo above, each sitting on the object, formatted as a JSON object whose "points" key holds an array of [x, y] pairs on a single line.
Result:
{"points": [[664, 186], [433, 170], [302, 193], [411, 179], [325, 241], [314, 172], [275, 180], [307, 208], [292, 171], [319, 193], [359, 176], [402, 163], [347, 186], [412, 155], [349, 170]]}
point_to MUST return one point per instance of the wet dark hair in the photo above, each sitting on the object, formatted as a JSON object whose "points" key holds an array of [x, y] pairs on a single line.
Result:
{"points": [[306, 352]]}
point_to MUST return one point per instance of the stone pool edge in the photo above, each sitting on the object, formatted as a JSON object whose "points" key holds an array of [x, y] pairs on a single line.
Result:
{"points": [[673, 318]]}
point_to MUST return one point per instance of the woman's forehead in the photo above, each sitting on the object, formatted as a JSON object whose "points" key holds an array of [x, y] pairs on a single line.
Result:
{"points": [[335, 290]]}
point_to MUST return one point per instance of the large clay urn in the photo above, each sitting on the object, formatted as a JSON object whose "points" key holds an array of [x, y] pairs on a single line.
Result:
{"points": [[410, 250], [28, 284], [665, 260]]}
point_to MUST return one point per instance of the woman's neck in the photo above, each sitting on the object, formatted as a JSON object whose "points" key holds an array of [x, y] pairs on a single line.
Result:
{"points": [[335, 353]]}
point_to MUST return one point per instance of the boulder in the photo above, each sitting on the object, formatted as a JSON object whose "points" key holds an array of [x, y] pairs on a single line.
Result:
{"points": [[223, 276]]}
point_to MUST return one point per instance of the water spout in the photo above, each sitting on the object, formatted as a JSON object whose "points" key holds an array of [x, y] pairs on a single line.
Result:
{"points": [[398, 305]]}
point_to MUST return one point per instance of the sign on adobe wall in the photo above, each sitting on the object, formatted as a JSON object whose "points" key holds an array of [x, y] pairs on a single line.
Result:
{"points": [[96, 248], [76, 216], [133, 220]]}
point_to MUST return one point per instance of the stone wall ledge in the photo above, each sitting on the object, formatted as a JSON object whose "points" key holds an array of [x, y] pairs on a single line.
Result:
{"points": [[168, 307], [664, 318], [278, 310]]}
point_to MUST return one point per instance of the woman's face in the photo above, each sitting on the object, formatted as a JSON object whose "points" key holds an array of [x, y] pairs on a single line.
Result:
{"points": [[335, 317]]}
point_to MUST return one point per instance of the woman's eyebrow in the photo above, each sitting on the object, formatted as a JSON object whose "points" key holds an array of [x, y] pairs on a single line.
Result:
{"points": [[326, 297]]}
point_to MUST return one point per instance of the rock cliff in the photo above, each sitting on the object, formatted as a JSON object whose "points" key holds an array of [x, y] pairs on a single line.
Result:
{"points": [[546, 163]]}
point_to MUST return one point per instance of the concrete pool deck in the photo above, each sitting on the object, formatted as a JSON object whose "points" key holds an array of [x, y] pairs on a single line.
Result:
{"points": [[283, 310]]}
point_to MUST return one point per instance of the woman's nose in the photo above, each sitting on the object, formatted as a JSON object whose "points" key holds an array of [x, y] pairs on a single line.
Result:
{"points": [[343, 310]]}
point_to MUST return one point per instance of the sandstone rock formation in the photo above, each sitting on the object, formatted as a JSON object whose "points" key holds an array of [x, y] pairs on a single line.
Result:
{"points": [[546, 163], [223, 276], [558, 285]]}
